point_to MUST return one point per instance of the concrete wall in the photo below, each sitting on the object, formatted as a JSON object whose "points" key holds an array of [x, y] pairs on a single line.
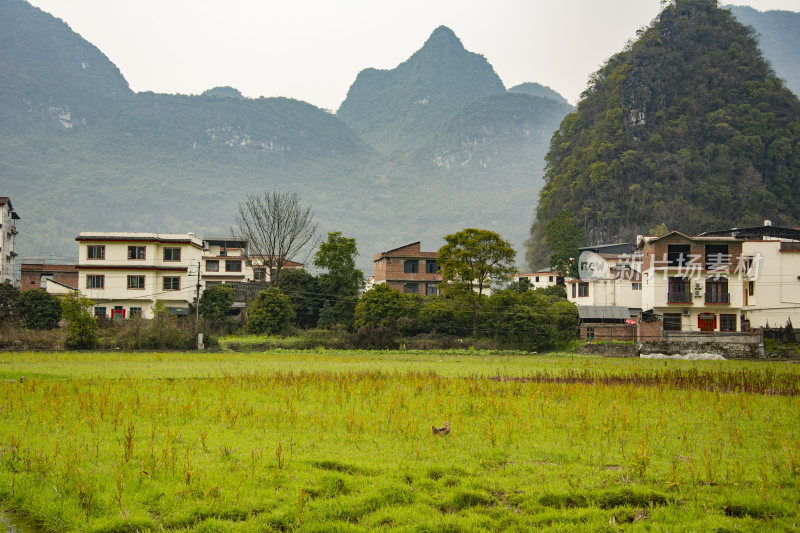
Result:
{"points": [[776, 284]]}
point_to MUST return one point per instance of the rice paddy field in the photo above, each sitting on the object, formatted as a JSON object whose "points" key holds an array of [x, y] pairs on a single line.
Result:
{"points": [[343, 441]]}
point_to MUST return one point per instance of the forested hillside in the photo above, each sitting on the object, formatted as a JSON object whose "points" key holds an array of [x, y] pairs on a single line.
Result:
{"points": [[687, 126]]}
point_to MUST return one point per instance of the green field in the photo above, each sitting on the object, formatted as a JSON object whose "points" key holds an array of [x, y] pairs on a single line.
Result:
{"points": [[333, 441]]}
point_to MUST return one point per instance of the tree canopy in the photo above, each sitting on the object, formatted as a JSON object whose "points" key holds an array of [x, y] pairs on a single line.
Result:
{"points": [[341, 281], [470, 260]]}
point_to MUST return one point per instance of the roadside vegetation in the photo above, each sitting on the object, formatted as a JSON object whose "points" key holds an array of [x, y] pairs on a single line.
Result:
{"points": [[342, 441]]}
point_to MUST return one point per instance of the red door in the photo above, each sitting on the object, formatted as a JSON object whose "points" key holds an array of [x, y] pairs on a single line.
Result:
{"points": [[707, 321]]}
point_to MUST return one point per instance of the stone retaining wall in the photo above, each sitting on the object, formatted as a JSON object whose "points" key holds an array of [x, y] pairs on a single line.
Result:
{"points": [[610, 350]]}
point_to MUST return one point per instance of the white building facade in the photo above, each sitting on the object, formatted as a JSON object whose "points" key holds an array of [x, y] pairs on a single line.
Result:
{"points": [[8, 241], [125, 274]]}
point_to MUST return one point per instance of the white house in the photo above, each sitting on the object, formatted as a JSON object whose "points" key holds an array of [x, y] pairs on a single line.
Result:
{"points": [[226, 260], [695, 283], [614, 281], [539, 280], [127, 273], [8, 238], [771, 284]]}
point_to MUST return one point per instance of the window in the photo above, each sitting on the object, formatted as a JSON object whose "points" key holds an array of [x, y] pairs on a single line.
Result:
{"points": [[431, 266], [727, 322], [212, 265], [574, 290], [136, 312], [99, 312], [410, 266], [136, 282], [679, 291], [537, 279], [411, 288], [716, 256], [260, 273], [172, 254], [590, 333], [432, 289], [95, 282], [583, 289], [233, 266], [136, 252], [678, 254], [550, 279], [636, 285], [672, 321], [717, 291], [96, 251], [172, 283], [751, 288]]}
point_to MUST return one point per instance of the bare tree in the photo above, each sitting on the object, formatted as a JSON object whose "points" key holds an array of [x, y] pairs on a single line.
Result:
{"points": [[277, 229]]}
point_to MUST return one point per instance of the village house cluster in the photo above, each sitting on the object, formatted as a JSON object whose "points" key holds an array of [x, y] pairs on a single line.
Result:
{"points": [[733, 281], [728, 282]]}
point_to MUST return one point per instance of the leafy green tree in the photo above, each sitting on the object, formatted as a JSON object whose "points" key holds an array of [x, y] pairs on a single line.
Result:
{"points": [[446, 314], [270, 313], [471, 260], [9, 302], [534, 318], [554, 292], [216, 302], [342, 281], [303, 290], [39, 309], [81, 325], [384, 306], [564, 237], [523, 285]]}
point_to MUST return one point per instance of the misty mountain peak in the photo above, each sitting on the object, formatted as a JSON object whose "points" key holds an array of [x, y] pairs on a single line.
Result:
{"points": [[443, 37]]}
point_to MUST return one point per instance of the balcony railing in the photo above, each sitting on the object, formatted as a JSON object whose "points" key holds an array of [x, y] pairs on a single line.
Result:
{"points": [[679, 297], [718, 298]]}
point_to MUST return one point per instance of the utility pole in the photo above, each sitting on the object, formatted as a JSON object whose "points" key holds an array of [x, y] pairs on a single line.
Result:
{"points": [[197, 310]]}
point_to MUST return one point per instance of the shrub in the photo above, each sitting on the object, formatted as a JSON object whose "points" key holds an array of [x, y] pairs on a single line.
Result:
{"points": [[377, 337], [81, 325], [382, 307], [39, 309], [216, 302], [9, 302], [270, 313]]}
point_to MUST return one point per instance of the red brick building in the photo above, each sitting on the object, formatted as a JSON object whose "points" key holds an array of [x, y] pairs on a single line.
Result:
{"points": [[409, 270], [33, 271]]}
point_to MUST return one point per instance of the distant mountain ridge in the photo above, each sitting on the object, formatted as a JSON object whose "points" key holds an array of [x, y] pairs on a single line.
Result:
{"points": [[395, 110], [779, 39], [80, 151]]}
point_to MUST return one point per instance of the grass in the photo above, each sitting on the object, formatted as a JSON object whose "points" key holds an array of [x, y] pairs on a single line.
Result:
{"points": [[342, 441]]}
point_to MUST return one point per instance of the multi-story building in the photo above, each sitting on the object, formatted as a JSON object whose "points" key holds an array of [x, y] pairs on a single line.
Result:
{"points": [[8, 238], [695, 283], [226, 260], [127, 273], [408, 269], [539, 280], [615, 280], [771, 281]]}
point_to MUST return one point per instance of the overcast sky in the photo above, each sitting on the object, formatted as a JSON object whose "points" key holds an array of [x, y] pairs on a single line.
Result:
{"points": [[313, 50]]}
